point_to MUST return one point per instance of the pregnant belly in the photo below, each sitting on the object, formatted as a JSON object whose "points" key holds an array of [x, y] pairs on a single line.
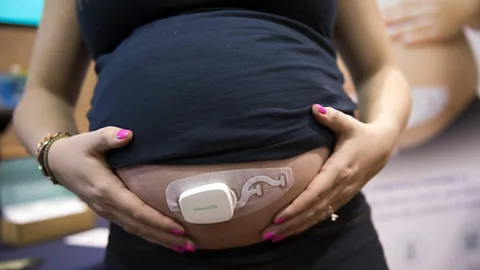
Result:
{"points": [[203, 89], [149, 182], [443, 79]]}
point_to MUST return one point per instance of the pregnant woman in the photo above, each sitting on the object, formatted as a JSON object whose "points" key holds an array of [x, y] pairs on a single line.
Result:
{"points": [[437, 60], [244, 96]]}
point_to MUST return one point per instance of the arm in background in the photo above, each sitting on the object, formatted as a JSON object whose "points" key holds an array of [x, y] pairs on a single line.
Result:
{"points": [[57, 70], [383, 92]]}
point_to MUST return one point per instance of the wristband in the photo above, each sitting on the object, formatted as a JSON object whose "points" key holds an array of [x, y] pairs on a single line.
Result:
{"points": [[43, 148]]}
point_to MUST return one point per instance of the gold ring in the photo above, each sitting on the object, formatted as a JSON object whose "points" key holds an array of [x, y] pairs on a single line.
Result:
{"points": [[332, 214]]}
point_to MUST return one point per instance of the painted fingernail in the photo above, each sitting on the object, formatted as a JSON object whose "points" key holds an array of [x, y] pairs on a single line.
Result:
{"points": [[279, 220], [268, 235], [277, 239], [189, 248], [123, 133], [178, 249], [177, 232], [321, 109]]}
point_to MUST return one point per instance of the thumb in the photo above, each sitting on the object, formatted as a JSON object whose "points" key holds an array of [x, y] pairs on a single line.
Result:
{"points": [[337, 121], [109, 138]]}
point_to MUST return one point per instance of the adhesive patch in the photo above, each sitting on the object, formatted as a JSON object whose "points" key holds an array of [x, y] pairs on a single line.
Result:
{"points": [[428, 102], [254, 188]]}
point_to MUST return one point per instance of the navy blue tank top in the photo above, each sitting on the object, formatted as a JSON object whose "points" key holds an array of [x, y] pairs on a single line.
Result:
{"points": [[212, 81]]}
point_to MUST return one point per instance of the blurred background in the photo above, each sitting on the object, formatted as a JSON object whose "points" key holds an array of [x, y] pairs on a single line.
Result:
{"points": [[426, 203]]}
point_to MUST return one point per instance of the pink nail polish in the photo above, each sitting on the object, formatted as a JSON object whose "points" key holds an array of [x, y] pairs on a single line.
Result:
{"points": [[189, 248], [178, 249], [177, 232], [279, 220], [278, 239], [321, 109], [268, 236], [123, 133]]}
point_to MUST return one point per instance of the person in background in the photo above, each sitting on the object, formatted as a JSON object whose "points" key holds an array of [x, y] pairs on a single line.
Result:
{"points": [[429, 21], [437, 59], [193, 87]]}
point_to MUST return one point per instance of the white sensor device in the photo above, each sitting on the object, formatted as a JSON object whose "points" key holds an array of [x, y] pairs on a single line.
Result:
{"points": [[212, 203]]}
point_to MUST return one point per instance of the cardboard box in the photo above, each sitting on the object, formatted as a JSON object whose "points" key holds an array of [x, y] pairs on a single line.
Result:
{"points": [[33, 222]]}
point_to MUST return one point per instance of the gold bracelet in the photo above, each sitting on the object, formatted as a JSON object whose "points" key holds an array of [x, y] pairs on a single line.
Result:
{"points": [[43, 149]]}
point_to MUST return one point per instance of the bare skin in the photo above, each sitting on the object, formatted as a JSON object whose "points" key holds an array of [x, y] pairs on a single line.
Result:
{"points": [[149, 182], [432, 51]]}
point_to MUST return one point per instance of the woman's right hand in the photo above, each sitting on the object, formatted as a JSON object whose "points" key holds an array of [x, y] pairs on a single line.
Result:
{"points": [[78, 163]]}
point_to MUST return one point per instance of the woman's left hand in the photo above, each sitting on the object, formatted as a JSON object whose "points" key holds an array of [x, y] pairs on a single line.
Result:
{"points": [[362, 150]]}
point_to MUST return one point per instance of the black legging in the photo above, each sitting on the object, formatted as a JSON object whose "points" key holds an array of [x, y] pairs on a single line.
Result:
{"points": [[350, 243]]}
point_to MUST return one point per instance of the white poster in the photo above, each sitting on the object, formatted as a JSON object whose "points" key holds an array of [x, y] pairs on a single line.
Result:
{"points": [[426, 202]]}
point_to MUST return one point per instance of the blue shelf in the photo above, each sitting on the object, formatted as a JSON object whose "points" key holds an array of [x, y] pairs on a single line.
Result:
{"points": [[21, 12]]}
